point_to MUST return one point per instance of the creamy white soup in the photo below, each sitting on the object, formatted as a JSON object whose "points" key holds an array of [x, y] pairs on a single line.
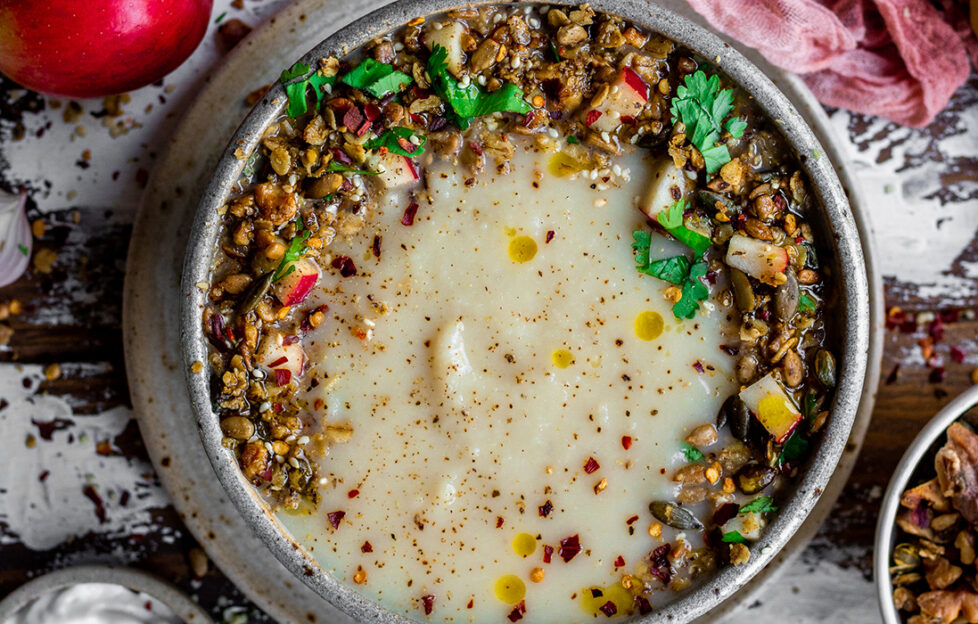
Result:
{"points": [[514, 387]]}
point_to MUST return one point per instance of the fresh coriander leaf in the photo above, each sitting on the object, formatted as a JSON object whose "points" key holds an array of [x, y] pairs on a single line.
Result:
{"points": [[23, 249], [220, 17], [733, 537], [673, 270], [692, 453], [761, 504], [694, 291], [573, 140], [806, 303], [794, 448], [470, 101], [398, 141], [809, 406], [376, 78], [702, 106], [321, 84], [643, 241], [555, 52], [672, 217], [338, 167], [297, 247], [296, 71], [297, 84]]}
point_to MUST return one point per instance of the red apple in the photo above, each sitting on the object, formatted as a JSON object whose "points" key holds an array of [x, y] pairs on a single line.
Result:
{"points": [[293, 288], [626, 98], [279, 352], [397, 171], [772, 406], [756, 258], [97, 47]]}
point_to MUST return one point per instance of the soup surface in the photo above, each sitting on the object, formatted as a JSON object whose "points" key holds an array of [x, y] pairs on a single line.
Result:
{"points": [[493, 374]]}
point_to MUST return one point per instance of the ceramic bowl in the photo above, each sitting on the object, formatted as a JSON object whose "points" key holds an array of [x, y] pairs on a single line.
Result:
{"points": [[834, 224]]}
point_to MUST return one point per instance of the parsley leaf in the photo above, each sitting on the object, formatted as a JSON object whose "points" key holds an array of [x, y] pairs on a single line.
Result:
{"points": [[694, 291], [398, 141], [692, 453], [297, 83], [810, 406], [672, 220], [23, 249], [376, 78], [470, 101], [733, 537], [806, 303], [297, 247], [573, 140], [761, 504], [338, 167], [794, 448], [673, 270], [701, 105]]}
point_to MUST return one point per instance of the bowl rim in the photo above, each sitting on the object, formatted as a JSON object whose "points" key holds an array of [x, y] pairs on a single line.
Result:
{"points": [[137, 580], [840, 229], [886, 521]]}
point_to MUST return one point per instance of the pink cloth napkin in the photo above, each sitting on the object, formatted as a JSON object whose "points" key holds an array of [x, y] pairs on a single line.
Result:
{"points": [[900, 59]]}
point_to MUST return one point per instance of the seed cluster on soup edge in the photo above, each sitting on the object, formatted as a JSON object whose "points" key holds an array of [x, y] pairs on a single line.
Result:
{"points": [[468, 90]]}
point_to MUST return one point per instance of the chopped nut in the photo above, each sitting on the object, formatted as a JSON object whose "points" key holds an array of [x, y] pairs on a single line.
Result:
{"points": [[360, 577], [703, 435], [198, 562], [601, 485], [739, 554], [536, 575]]}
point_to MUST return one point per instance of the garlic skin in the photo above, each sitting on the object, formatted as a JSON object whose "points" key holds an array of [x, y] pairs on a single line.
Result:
{"points": [[15, 237]]}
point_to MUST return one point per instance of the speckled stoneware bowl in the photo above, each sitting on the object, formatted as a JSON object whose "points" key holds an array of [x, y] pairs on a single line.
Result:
{"points": [[834, 224], [136, 580], [923, 449]]}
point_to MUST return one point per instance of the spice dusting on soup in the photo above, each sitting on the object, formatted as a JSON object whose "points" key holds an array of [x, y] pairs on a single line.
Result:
{"points": [[517, 316]]}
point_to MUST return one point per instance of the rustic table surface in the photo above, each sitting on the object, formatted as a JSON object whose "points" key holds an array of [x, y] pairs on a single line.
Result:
{"points": [[75, 484]]}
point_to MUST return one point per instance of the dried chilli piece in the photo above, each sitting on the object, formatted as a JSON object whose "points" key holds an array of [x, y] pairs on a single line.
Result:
{"points": [[428, 602], [353, 493], [550, 236], [609, 608], [518, 612], [569, 547], [545, 509], [591, 465], [345, 265], [335, 517], [375, 248], [409, 212], [626, 442], [282, 376], [366, 548], [499, 522], [644, 606], [548, 553], [661, 567], [619, 562]]}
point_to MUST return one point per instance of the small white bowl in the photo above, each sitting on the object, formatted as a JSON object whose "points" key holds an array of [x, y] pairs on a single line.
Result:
{"points": [[920, 448], [136, 580]]}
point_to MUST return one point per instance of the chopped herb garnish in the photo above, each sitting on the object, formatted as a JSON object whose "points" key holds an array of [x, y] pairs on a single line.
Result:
{"points": [[471, 101], [338, 167], [297, 81], [555, 51], [806, 303], [672, 220], [794, 448], [692, 453], [220, 17], [23, 249], [733, 537], [249, 167], [761, 504], [701, 105], [297, 247], [376, 78], [673, 270], [398, 141], [573, 140], [810, 406], [694, 291]]}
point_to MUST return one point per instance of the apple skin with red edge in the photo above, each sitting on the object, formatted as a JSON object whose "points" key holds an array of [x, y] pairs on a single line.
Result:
{"points": [[278, 352], [627, 97], [293, 288], [758, 259], [772, 406], [97, 47], [398, 171]]}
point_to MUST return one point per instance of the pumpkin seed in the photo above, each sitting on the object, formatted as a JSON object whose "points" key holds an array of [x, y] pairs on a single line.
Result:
{"points": [[735, 413], [743, 292], [825, 368], [753, 478], [786, 298], [256, 292], [675, 516]]}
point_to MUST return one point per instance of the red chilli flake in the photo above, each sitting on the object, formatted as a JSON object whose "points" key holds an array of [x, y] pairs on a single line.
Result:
{"points": [[644, 607], [353, 493], [957, 354], [499, 522], [92, 494], [345, 265], [335, 517], [550, 235], [518, 612], [592, 116], [376, 246], [409, 212], [545, 509], [698, 366], [278, 362], [620, 562], [609, 608], [428, 602], [282, 376], [591, 465], [470, 605], [548, 553], [290, 340], [366, 548], [631, 520], [626, 442], [660, 564], [44, 476], [569, 547]]}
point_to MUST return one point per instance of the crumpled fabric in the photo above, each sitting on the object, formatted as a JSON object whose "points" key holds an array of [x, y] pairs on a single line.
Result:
{"points": [[899, 59]]}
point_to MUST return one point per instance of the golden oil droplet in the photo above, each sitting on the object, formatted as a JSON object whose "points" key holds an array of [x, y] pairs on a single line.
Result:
{"points": [[524, 544], [522, 249], [649, 325], [563, 165], [562, 358], [510, 589]]}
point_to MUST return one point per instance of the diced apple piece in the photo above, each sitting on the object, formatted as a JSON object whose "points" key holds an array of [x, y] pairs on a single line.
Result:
{"points": [[626, 98], [667, 183], [397, 171], [748, 524], [448, 35], [773, 407], [283, 355], [296, 286], [758, 259]]}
